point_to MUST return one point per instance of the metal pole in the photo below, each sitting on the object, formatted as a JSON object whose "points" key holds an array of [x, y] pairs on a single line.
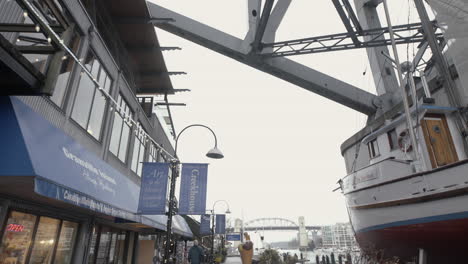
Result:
{"points": [[409, 121], [212, 235], [175, 173]]}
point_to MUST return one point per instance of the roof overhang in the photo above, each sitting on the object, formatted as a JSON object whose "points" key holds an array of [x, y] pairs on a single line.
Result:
{"points": [[133, 24]]}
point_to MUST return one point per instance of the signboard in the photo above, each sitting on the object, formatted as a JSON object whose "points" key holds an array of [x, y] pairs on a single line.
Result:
{"points": [[193, 189], [220, 224], [205, 224], [233, 237], [153, 188]]}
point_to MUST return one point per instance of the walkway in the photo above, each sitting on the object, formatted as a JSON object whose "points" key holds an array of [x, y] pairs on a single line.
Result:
{"points": [[233, 260]]}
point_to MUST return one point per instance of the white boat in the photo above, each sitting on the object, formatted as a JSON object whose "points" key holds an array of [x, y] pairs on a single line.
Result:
{"points": [[408, 194]]}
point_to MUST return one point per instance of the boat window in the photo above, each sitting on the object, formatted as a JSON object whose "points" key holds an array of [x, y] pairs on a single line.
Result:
{"points": [[373, 149], [392, 139]]}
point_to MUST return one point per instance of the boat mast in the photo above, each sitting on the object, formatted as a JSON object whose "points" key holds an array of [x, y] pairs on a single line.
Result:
{"points": [[409, 121]]}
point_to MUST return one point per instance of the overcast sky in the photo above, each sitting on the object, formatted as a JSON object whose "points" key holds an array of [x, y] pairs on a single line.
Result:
{"points": [[281, 142]]}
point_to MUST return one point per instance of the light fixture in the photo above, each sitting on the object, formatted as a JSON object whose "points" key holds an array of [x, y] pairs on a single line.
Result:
{"points": [[215, 153]]}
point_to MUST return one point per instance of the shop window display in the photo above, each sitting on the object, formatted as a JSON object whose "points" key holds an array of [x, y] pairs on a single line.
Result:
{"points": [[66, 242], [107, 246], [45, 241], [17, 238], [33, 239]]}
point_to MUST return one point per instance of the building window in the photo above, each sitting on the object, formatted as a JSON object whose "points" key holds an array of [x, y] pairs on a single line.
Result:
{"points": [[64, 75], [153, 153], [107, 245], [373, 149], [37, 238], [90, 104], [121, 130], [392, 139], [138, 153]]}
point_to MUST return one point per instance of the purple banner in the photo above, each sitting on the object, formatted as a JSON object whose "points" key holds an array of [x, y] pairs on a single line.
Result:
{"points": [[220, 224], [193, 189], [153, 190], [205, 224]]}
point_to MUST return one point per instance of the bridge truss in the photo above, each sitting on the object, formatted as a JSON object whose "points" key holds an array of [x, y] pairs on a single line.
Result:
{"points": [[273, 224]]}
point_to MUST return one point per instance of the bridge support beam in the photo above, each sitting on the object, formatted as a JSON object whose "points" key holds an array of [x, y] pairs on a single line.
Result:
{"points": [[286, 69]]}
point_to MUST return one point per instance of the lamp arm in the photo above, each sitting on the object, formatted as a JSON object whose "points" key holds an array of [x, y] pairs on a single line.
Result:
{"points": [[193, 125], [220, 201]]}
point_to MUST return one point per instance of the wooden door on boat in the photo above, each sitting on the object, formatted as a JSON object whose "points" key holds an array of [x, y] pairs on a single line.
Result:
{"points": [[438, 140]]}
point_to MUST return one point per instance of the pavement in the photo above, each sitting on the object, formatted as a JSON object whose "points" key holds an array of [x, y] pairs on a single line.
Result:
{"points": [[233, 260]]}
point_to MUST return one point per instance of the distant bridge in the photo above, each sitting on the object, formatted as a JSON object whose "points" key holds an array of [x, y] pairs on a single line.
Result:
{"points": [[275, 224]]}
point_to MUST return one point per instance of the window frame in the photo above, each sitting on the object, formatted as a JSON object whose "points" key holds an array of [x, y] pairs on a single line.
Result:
{"points": [[372, 148], [112, 230], [102, 68], [392, 143], [127, 111], [140, 141]]}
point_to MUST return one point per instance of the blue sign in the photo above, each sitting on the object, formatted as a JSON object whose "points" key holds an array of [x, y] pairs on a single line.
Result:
{"points": [[153, 190], [193, 189], [233, 237], [46, 188], [220, 224], [205, 224]]}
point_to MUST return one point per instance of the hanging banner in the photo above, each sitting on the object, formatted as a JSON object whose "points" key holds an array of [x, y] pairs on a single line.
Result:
{"points": [[220, 224], [205, 225], [153, 190], [193, 189]]}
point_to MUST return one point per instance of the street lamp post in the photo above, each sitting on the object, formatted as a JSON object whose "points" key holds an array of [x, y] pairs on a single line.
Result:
{"points": [[213, 224], [213, 153]]}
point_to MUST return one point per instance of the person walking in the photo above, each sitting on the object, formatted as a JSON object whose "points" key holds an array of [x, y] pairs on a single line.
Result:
{"points": [[195, 255]]}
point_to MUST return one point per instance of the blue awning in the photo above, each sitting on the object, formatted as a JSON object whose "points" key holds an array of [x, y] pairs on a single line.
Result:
{"points": [[64, 170]]}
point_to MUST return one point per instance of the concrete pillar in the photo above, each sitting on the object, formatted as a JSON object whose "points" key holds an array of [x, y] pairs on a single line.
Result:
{"points": [[384, 76], [303, 238], [422, 256]]}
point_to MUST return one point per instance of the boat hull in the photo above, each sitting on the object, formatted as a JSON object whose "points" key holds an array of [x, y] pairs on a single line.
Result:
{"points": [[444, 241], [399, 217]]}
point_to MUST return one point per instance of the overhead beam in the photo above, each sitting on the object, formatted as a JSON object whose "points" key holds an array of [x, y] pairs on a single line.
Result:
{"points": [[342, 41], [283, 68], [345, 20], [276, 17], [256, 45], [36, 49], [159, 73], [29, 28], [140, 20], [352, 16]]}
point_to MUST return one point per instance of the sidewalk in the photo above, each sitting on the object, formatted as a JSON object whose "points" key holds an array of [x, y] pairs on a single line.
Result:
{"points": [[233, 260]]}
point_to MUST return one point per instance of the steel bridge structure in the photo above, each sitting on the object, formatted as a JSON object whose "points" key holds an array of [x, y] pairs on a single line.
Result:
{"points": [[273, 224]]}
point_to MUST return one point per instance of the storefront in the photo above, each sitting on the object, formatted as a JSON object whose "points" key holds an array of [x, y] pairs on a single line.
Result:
{"points": [[60, 203], [29, 238]]}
